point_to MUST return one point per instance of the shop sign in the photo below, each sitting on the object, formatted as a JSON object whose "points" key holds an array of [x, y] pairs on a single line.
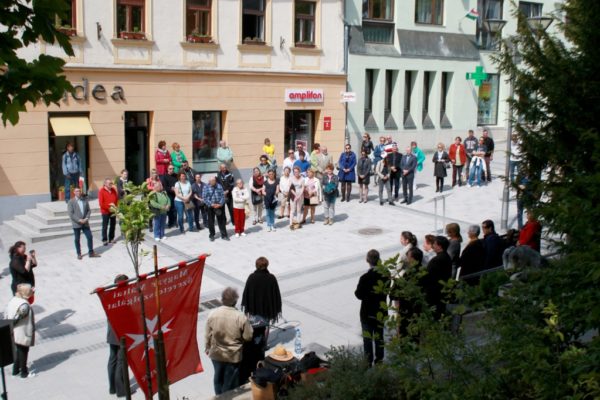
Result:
{"points": [[304, 95], [327, 123], [82, 92], [348, 97]]}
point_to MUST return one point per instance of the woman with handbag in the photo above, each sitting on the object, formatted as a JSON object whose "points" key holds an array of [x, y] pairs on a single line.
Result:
{"points": [[159, 205], [312, 195], [296, 198], [330, 193], [441, 159], [284, 193], [383, 173], [271, 190], [363, 170], [257, 188], [183, 202]]}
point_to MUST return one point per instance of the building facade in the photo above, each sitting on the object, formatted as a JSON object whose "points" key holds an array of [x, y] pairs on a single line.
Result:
{"points": [[409, 62], [188, 71]]}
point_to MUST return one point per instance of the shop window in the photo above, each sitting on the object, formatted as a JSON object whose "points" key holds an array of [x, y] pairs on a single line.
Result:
{"points": [[487, 108], [68, 24], [429, 12], [198, 20], [489, 9], [530, 9], [253, 21], [304, 29], [130, 19], [299, 129], [206, 134]]}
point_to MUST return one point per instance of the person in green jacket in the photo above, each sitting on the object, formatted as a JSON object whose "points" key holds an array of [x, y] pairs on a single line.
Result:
{"points": [[159, 205], [419, 154], [177, 157]]}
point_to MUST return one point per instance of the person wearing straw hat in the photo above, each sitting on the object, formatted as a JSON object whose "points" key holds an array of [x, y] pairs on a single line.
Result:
{"points": [[226, 331]]}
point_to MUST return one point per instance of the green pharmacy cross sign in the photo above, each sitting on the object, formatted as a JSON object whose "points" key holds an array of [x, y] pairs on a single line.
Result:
{"points": [[478, 76]]}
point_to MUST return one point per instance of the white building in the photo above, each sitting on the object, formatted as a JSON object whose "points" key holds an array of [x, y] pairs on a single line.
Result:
{"points": [[408, 64], [186, 71]]}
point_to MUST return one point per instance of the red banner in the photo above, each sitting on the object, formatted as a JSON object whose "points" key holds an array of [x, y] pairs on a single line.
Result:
{"points": [[179, 299]]}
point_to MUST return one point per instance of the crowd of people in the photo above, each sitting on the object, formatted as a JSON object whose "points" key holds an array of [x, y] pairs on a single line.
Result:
{"points": [[442, 257], [181, 198]]}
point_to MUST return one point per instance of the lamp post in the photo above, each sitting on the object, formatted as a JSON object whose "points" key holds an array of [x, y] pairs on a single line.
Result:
{"points": [[536, 25]]}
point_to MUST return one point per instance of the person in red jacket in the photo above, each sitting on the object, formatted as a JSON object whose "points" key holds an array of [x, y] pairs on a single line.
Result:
{"points": [[458, 158], [162, 158], [531, 234], [108, 196]]}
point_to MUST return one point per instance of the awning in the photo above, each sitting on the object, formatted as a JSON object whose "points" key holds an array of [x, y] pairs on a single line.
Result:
{"points": [[71, 126]]}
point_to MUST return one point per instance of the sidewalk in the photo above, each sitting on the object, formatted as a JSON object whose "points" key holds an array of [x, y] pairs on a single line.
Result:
{"points": [[317, 267]]}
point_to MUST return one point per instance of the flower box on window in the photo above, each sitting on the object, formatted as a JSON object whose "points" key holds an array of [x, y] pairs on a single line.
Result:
{"points": [[67, 30], [132, 35], [193, 38], [255, 40], [309, 45]]}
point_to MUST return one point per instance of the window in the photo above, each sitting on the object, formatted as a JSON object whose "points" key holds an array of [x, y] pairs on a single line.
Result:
{"points": [[490, 9], [487, 101], [378, 9], [253, 21], [378, 25], [429, 12], [369, 89], [299, 129], [130, 19], [206, 134], [428, 77], [389, 89], [446, 79], [197, 18], [68, 24], [530, 9], [408, 90], [304, 29]]}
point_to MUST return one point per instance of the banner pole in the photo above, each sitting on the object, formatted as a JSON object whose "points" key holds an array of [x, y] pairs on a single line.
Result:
{"points": [[146, 345], [114, 285], [126, 383], [161, 366]]}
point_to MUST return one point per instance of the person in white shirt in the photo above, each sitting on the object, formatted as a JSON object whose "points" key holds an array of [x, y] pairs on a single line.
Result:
{"points": [[241, 197], [289, 160], [284, 193]]}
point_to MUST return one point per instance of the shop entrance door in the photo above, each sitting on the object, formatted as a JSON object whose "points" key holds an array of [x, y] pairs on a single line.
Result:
{"points": [[136, 146], [299, 128]]}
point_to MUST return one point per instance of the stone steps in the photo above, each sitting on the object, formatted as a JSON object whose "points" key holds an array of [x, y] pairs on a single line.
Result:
{"points": [[49, 221]]}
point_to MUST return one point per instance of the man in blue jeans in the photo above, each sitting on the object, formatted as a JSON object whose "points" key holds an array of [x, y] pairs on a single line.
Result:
{"points": [[71, 167], [79, 212], [226, 331]]}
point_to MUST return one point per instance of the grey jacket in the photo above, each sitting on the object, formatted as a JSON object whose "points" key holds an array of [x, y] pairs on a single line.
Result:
{"points": [[75, 212]]}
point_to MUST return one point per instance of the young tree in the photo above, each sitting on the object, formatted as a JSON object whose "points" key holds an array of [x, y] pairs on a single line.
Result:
{"points": [[22, 82]]}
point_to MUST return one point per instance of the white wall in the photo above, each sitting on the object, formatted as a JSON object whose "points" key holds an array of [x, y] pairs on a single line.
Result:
{"points": [[167, 32]]}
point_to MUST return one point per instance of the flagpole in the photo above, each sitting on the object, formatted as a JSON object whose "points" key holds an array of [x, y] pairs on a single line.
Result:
{"points": [[148, 275], [146, 345], [161, 366]]}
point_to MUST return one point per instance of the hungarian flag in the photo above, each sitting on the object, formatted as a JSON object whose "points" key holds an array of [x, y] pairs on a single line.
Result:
{"points": [[179, 292], [473, 14]]}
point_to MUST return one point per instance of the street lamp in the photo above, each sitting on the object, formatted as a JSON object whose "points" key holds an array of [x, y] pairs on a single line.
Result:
{"points": [[494, 27], [537, 25]]}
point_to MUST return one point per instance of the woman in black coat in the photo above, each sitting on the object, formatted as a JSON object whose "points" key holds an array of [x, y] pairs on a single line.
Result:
{"points": [[261, 301], [21, 266], [441, 159]]}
